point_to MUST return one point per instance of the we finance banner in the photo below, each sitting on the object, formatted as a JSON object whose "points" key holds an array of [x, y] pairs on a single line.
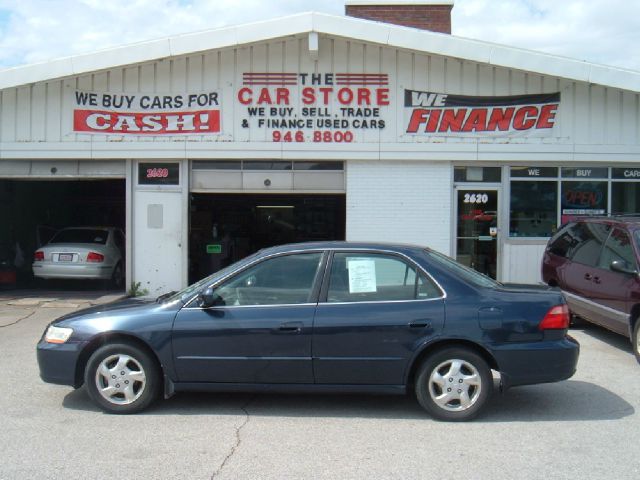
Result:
{"points": [[194, 113], [440, 114]]}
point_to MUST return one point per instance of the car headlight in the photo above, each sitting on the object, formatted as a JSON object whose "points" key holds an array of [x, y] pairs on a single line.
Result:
{"points": [[57, 334]]}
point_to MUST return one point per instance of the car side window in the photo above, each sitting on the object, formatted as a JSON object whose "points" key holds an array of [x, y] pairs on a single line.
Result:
{"points": [[119, 240], [283, 280], [588, 239], [365, 277], [563, 241], [618, 247]]}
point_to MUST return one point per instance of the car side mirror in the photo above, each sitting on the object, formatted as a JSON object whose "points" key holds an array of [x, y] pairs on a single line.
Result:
{"points": [[207, 297], [621, 267]]}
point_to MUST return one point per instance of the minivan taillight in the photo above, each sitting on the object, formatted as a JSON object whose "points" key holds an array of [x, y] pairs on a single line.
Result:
{"points": [[95, 257], [557, 318], [38, 256]]}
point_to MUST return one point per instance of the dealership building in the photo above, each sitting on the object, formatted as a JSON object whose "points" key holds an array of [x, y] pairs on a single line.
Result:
{"points": [[378, 125]]}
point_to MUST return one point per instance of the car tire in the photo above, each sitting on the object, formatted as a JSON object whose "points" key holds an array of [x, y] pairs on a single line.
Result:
{"points": [[117, 278], [453, 384], [122, 378], [635, 340]]}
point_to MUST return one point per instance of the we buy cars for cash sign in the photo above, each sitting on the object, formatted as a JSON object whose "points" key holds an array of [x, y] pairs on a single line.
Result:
{"points": [[146, 114]]}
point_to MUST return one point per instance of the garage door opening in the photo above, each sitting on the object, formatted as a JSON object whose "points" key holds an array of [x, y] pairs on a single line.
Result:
{"points": [[31, 211], [227, 227]]}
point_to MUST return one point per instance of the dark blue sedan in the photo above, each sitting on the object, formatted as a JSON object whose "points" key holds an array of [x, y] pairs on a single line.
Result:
{"points": [[320, 317]]}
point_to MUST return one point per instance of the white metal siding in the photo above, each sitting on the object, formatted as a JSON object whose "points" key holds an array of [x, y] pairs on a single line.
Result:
{"points": [[521, 262], [407, 202], [589, 114]]}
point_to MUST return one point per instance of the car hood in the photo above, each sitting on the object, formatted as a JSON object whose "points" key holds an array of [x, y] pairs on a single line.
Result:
{"points": [[120, 308]]}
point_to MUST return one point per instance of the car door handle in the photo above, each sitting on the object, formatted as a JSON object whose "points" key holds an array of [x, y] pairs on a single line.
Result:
{"points": [[420, 324], [587, 276], [290, 327], [596, 279]]}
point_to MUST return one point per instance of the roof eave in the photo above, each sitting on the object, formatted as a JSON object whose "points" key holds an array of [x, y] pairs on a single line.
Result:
{"points": [[346, 27]]}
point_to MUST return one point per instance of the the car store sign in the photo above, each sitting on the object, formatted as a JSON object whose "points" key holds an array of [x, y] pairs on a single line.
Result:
{"points": [[314, 107], [146, 113]]}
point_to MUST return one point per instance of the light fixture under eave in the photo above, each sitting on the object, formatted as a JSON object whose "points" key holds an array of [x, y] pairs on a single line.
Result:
{"points": [[313, 45], [275, 206]]}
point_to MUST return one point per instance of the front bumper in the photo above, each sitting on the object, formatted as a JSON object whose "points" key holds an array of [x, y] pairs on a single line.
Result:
{"points": [[539, 362], [58, 362]]}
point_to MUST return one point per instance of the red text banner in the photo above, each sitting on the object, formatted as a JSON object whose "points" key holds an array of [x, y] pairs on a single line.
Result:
{"points": [[110, 113], [144, 123], [438, 114]]}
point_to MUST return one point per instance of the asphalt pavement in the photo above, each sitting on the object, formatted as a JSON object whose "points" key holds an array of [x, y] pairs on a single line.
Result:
{"points": [[587, 427]]}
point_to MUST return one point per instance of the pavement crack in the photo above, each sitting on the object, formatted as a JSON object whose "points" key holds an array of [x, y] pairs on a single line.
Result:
{"points": [[238, 438], [17, 321]]}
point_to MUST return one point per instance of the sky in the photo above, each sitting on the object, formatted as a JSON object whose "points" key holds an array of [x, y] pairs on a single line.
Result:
{"points": [[32, 31]]}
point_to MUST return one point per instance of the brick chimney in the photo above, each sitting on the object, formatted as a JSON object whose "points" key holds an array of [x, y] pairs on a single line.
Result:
{"points": [[434, 15]]}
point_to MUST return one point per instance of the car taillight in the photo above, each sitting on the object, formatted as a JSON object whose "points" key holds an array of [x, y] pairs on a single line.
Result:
{"points": [[95, 257], [556, 318], [38, 256]]}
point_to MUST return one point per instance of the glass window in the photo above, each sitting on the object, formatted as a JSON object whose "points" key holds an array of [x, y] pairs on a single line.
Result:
{"points": [[586, 243], [278, 281], [477, 174], [375, 277], [119, 240], [258, 165], [625, 197], [467, 274], [563, 241], [585, 172], [158, 174], [217, 165], [533, 209], [304, 165], [534, 172], [81, 235], [583, 198], [618, 248]]}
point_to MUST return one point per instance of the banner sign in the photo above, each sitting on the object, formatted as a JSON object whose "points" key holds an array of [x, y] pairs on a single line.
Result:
{"points": [[146, 113], [314, 107], [441, 114]]}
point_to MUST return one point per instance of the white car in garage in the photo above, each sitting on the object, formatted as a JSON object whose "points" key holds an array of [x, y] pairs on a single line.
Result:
{"points": [[82, 253]]}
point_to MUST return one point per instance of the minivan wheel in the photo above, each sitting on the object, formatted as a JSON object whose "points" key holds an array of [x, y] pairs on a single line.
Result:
{"points": [[635, 340], [122, 378], [454, 384]]}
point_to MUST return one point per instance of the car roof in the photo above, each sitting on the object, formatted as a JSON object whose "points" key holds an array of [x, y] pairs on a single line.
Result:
{"points": [[631, 220], [342, 245]]}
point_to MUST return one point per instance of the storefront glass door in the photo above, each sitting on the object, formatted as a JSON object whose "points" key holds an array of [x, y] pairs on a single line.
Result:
{"points": [[477, 229]]}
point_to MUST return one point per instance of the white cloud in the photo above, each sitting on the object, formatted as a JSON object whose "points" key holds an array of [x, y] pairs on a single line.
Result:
{"points": [[602, 31]]}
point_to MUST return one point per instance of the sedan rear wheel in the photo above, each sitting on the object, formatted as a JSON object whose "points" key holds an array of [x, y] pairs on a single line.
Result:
{"points": [[122, 378], [454, 384], [117, 278]]}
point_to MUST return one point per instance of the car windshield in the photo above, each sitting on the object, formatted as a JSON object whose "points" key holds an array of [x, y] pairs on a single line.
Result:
{"points": [[81, 235], [185, 294], [467, 274]]}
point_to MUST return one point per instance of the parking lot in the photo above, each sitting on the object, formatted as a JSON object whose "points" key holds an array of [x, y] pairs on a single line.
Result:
{"points": [[586, 427]]}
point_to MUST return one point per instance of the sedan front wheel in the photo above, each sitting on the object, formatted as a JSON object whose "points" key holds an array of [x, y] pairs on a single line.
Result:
{"points": [[122, 378], [454, 384]]}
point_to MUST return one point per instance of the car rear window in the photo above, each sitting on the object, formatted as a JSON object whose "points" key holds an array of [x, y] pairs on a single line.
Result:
{"points": [[465, 273], [81, 235]]}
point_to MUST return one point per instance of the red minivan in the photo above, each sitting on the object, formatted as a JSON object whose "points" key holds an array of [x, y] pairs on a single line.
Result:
{"points": [[594, 261]]}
